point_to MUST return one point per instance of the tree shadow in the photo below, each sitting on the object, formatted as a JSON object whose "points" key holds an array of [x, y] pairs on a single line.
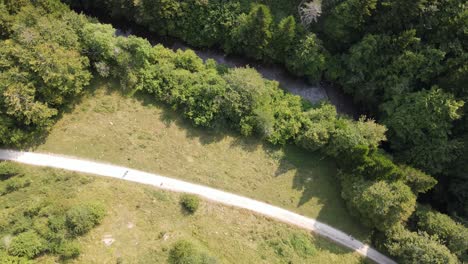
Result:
{"points": [[315, 177]]}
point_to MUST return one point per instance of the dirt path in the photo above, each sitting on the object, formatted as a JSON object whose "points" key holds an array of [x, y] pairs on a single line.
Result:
{"points": [[79, 165]]}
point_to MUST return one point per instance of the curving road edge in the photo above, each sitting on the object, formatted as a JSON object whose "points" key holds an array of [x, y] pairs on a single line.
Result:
{"points": [[102, 169]]}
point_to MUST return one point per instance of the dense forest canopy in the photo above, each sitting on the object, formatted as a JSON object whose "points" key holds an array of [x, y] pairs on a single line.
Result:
{"points": [[404, 62]]}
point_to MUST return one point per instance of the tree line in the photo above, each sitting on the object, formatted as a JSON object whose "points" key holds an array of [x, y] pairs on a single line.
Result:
{"points": [[51, 53]]}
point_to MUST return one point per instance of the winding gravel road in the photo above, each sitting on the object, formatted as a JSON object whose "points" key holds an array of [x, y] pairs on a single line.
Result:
{"points": [[79, 165]]}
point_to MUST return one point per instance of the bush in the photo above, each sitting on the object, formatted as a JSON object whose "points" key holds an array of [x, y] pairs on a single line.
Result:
{"points": [[80, 219], [16, 183], [303, 245], [190, 203], [7, 259], [28, 244], [68, 250], [184, 252]]}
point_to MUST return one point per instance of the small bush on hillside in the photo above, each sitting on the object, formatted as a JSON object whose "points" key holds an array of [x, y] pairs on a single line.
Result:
{"points": [[80, 219], [302, 245], [7, 259], [184, 252], [7, 170], [68, 250], [190, 203], [28, 244], [14, 184]]}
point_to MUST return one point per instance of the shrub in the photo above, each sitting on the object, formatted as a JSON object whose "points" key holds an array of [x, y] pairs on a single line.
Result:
{"points": [[8, 169], [190, 203], [80, 219], [302, 245], [28, 244], [7, 259], [68, 250], [184, 252], [16, 183]]}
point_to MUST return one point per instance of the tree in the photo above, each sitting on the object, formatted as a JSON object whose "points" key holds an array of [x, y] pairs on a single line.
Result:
{"points": [[451, 233], [283, 38], [252, 34], [308, 58], [420, 126], [382, 66], [319, 125], [379, 204], [416, 248], [419, 181], [247, 99], [349, 134], [345, 21]]}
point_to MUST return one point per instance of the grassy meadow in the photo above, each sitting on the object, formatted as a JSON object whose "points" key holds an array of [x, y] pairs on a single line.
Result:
{"points": [[141, 134], [142, 223]]}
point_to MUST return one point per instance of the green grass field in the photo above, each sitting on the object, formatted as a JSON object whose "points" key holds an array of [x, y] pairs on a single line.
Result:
{"points": [[107, 126], [145, 222]]}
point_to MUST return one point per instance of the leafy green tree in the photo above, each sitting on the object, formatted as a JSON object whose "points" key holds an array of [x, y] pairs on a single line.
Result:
{"points": [[308, 58], [247, 96], [99, 42], [349, 134], [346, 20], [420, 126], [319, 125], [414, 248], [283, 38], [419, 181], [287, 119], [379, 204], [160, 16], [382, 66], [252, 34], [451, 233]]}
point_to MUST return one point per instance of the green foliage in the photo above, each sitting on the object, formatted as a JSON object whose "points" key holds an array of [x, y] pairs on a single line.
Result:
{"points": [[345, 21], [252, 34], [379, 204], [41, 70], [68, 250], [422, 138], [248, 99], [319, 124], [82, 218], [410, 247], [308, 58], [190, 203], [7, 259], [419, 181], [283, 39], [185, 252], [381, 66], [28, 244], [451, 233]]}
